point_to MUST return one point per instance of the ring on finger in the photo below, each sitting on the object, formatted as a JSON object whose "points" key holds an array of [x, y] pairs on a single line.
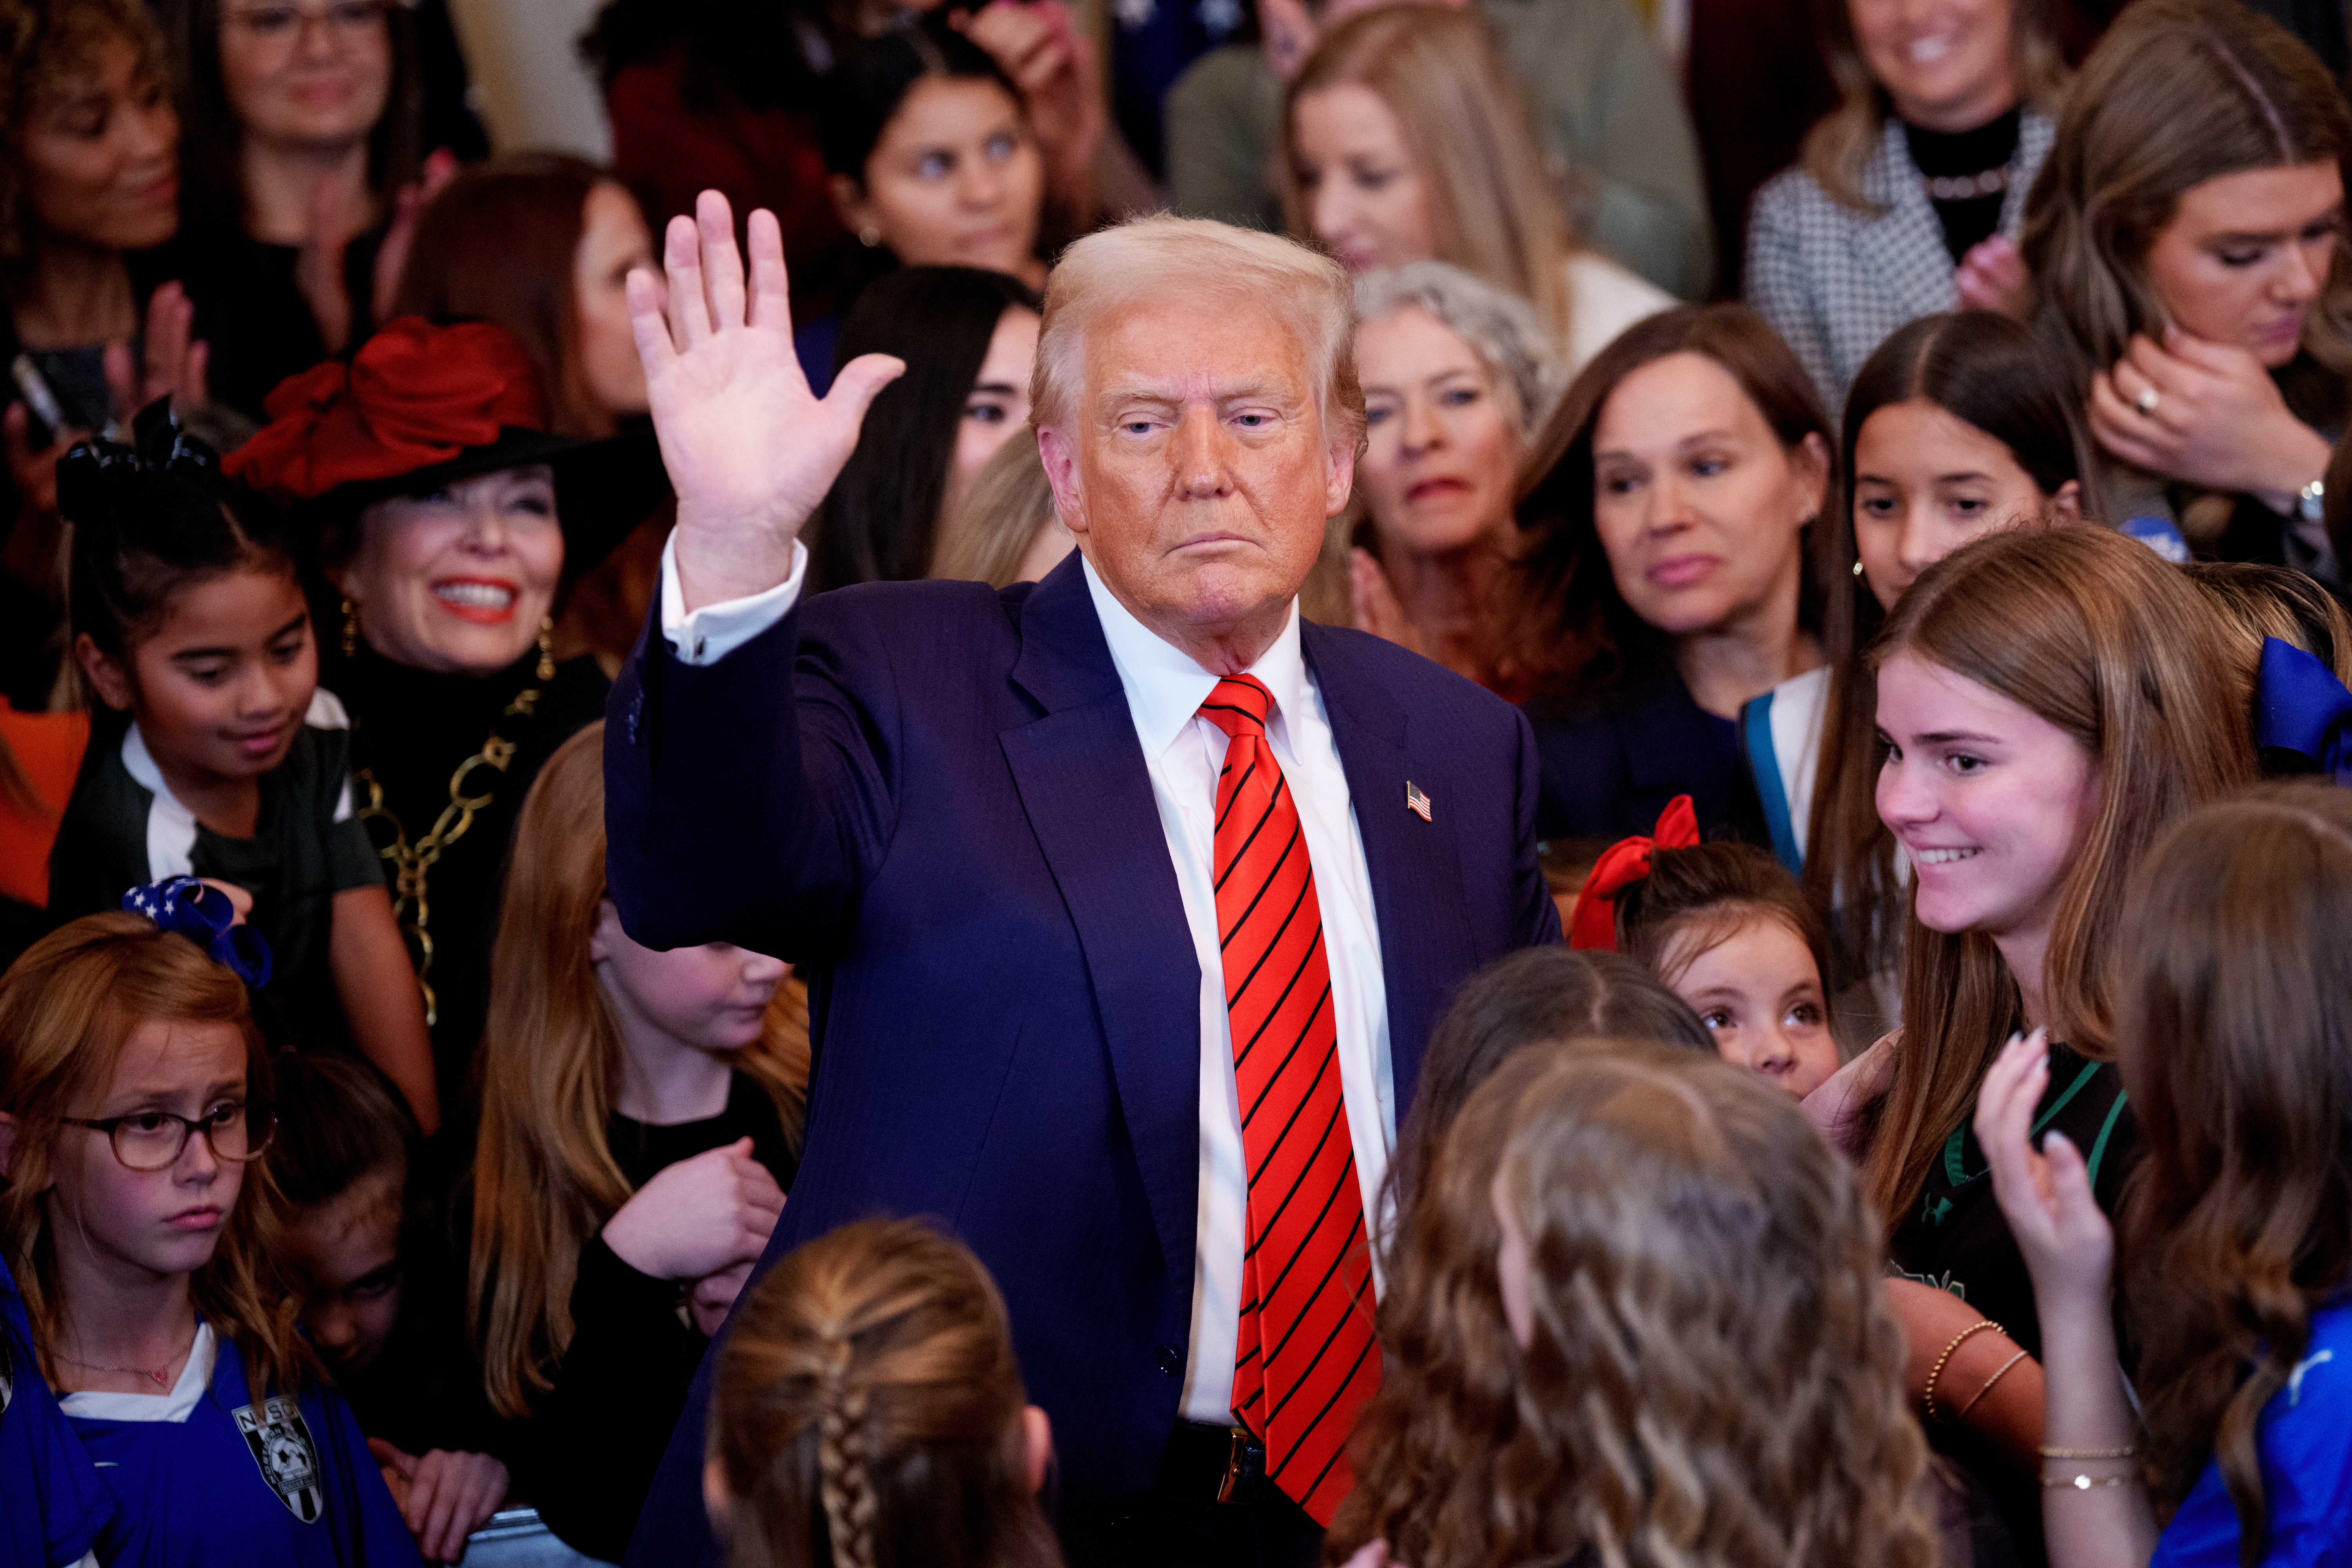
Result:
{"points": [[2148, 400]]}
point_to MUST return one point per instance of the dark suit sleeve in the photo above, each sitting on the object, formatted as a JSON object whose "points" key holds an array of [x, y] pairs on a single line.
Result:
{"points": [[1531, 895], [748, 800]]}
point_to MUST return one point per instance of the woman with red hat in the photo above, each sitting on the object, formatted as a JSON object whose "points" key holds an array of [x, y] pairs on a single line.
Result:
{"points": [[448, 517]]}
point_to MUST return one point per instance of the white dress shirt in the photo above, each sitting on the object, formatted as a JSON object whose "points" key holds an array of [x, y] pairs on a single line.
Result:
{"points": [[1184, 754]]}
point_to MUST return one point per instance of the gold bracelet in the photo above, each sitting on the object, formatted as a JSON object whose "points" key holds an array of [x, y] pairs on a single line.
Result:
{"points": [[2128, 1451], [1980, 1393], [2084, 1483], [1937, 1371]]}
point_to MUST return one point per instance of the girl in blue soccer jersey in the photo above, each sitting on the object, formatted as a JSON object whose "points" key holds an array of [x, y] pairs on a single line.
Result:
{"points": [[133, 1103]]}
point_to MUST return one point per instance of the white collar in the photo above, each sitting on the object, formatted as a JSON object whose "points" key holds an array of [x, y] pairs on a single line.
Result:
{"points": [[175, 1407], [1165, 686]]}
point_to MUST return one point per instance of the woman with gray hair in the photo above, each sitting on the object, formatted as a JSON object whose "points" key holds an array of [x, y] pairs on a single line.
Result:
{"points": [[1455, 373]]}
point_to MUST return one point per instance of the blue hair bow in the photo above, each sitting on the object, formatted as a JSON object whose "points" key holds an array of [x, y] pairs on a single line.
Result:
{"points": [[205, 916], [2300, 707]]}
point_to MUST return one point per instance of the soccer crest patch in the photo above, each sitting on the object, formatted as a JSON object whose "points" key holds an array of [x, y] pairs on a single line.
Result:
{"points": [[282, 1445]]}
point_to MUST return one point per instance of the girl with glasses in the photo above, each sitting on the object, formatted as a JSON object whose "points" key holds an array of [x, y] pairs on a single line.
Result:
{"points": [[133, 1105]]}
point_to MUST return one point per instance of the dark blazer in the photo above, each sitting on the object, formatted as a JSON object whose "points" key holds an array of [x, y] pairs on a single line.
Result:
{"points": [[1613, 760], [931, 796]]}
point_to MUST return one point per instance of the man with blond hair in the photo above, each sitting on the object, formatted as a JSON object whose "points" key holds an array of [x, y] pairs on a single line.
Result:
{"points": [[1127, 899]]}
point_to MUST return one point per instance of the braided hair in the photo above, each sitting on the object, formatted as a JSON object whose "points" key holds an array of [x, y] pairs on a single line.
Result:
{"points": [[868, 1412], [149, 517]]}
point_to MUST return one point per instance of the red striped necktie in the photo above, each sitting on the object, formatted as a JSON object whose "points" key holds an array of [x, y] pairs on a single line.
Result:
{"points": [[1304, 1361]]}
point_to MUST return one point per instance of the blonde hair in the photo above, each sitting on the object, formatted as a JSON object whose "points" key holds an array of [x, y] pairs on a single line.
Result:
{"points": [[1009, 507], [1149, 260], [2179, 92], [1494, 204], [66, 1007], [1715, 1378], [2093, 633], [1840, 145], [867, 1398], [544, 1180]]}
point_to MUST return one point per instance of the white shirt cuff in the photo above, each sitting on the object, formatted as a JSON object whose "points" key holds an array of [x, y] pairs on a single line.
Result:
{"points": [[714, 631]]}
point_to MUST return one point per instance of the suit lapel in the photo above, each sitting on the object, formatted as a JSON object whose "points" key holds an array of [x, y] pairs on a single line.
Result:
{"points": [[1416, 875], [1903, 249], [1081, 776]]}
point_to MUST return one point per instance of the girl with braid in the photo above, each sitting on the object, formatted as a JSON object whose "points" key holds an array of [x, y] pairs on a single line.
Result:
{"points": [[869, 1414]]}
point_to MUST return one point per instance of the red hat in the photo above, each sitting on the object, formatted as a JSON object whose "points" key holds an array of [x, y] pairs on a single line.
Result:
{"points": [[1592, 924], [415, 396], [421, 404]]}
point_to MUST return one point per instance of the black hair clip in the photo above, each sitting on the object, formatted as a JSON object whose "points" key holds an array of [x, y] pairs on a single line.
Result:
{"points": [[164, 464]]}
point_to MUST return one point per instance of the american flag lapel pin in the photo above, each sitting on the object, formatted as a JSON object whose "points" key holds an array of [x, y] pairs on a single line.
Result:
{"points": [[1415, 802]]}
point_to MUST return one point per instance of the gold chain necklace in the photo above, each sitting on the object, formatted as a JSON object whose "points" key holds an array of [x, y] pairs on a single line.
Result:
{"points": [[411, 863]]}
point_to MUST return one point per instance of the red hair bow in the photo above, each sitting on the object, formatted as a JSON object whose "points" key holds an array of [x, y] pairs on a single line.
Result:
{"points": [[1593, 925], [415, 394]]}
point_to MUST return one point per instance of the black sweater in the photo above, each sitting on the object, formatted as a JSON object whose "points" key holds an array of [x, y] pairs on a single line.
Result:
{"points": [[596, 1439]]}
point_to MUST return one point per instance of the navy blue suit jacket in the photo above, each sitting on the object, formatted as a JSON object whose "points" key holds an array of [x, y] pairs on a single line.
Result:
{"points": [[931, 797]]}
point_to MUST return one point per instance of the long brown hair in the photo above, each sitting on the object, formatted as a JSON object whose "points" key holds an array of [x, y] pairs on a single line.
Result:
{"points": [[212, 142], [2177, 93], [1494, 204], [66, 1009], [1568, 598], [1715, 1376], [868, 1412], [1990, 373], [544, 1179], [498, 243], [2095, 634], [2237, 1051], [1840, 143]]}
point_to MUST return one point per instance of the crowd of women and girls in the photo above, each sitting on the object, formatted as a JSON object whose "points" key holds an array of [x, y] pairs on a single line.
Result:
{"points": [[1934, 1143]]}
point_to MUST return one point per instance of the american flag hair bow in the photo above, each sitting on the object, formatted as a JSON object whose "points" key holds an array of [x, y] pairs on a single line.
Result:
{"points": [[204, 914]]}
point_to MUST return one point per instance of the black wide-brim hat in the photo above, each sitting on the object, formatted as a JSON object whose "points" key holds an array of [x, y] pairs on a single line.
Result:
{"points": [[421, 406], [604, 488]]}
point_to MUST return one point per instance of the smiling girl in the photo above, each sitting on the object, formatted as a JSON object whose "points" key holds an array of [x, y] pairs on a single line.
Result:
{"points": [[2049, 702], [2187, 245], [133, 1105], [1668, 567], [188, 620], [1957, 426]]}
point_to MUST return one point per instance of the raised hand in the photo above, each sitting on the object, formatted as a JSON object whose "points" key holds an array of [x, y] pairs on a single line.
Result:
{"points": [[2046, 1197], [174, 362], [1039, 44], [2205, 413], [750, 450], [698, 1217], [400, 235], [1993, 276]]}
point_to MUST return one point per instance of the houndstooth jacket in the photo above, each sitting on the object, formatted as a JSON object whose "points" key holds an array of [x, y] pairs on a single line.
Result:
{"points": [[1836, 282]]}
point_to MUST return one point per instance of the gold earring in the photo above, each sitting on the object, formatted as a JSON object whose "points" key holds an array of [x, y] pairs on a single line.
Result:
{"points": [[350, 629], [869, 236], [546, 647]]}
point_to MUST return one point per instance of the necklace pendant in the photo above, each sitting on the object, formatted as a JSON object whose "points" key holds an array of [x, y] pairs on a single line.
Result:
{"points": [[158, 1375]]}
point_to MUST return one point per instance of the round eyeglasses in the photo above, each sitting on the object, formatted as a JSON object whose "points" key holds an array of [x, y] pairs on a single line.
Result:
{"points": [[152, 1139]]}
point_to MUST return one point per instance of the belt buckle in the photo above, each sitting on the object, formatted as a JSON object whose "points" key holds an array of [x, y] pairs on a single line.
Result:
{"points": [[1236, 1454]]}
